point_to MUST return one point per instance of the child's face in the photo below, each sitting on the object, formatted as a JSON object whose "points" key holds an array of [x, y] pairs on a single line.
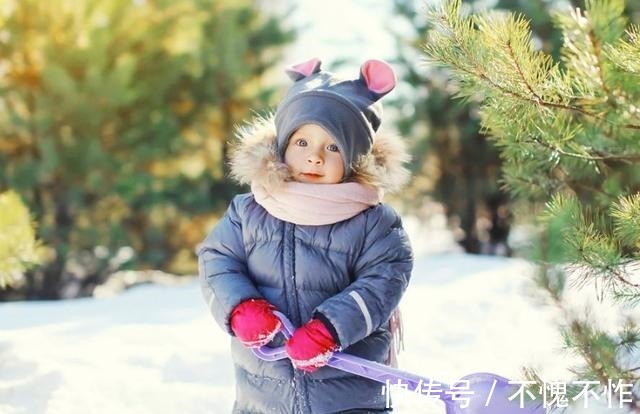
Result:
{"points": [[313, 156]]}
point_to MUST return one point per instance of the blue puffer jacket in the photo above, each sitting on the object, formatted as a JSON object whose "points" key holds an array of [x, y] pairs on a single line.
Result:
{"points": [[351, 274]]}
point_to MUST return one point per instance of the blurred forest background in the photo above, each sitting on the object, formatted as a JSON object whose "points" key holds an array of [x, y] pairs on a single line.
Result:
{"points": [[114, 126], [116, 114]]}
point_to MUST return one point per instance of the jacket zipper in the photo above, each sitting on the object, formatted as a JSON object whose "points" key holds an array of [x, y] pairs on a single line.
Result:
{"points": [[294, 294], [300, 383]]}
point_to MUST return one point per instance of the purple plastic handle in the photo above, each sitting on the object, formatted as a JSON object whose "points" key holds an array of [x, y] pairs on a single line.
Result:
{"points": [[477, 393]]}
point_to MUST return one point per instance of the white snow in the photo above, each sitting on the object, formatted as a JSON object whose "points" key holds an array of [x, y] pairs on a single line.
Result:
{"points": [[155, 349]]}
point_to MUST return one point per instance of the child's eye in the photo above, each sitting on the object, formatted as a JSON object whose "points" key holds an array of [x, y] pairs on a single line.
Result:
{"points": [[301, 142], [333, 148]]}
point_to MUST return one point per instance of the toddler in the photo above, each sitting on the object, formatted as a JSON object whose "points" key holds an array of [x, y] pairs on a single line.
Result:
{"points": [[314, 241]]}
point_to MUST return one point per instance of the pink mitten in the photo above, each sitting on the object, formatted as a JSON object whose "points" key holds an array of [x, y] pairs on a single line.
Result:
{"points": [[311, 346], [254, 322]]}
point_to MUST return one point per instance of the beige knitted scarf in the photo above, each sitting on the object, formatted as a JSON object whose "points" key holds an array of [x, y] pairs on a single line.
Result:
{"points": [[316, 204]]}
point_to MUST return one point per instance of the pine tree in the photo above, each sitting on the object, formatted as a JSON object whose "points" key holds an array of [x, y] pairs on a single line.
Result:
{"points": [[568, 132], [18, 245], [114, 122], [453, 161]]}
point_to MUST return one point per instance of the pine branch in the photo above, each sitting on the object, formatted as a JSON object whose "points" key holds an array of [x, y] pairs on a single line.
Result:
{"points": [[595, 44], [602, 156], [520, 73], [626, 53], [626, 217], [476, 71], [620, 278], [596, 348], [631, 299]]}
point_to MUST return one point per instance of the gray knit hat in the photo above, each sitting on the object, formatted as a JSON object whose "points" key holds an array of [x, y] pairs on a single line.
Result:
{"points": [[348, 109]]}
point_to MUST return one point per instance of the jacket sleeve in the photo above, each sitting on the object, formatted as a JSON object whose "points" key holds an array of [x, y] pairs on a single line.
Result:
{"points": [[222, 268], [382, 273]]}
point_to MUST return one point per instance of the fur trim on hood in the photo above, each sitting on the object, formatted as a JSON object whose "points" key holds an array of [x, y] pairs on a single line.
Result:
{"points": [[254, 157]]}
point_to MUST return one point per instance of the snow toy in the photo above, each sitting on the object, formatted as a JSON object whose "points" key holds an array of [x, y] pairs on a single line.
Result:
{"points": [[481, 393]]}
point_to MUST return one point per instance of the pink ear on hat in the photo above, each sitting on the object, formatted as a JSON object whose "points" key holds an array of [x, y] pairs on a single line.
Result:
{"points": [[378, 76], [304, 69]]}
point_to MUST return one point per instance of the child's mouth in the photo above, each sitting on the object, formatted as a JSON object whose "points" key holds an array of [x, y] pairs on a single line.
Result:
{"points": [[311, 175]]}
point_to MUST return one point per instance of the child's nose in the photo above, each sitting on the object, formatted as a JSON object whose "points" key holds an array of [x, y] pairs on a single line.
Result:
{"points": [[314, 158]]}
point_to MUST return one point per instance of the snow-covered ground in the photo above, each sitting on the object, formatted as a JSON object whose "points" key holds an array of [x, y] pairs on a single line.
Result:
{"points": [[155, 349]]}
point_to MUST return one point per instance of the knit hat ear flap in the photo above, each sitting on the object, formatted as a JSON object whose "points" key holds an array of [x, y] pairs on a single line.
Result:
{"points": [[304, 69], [378, 76]]}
